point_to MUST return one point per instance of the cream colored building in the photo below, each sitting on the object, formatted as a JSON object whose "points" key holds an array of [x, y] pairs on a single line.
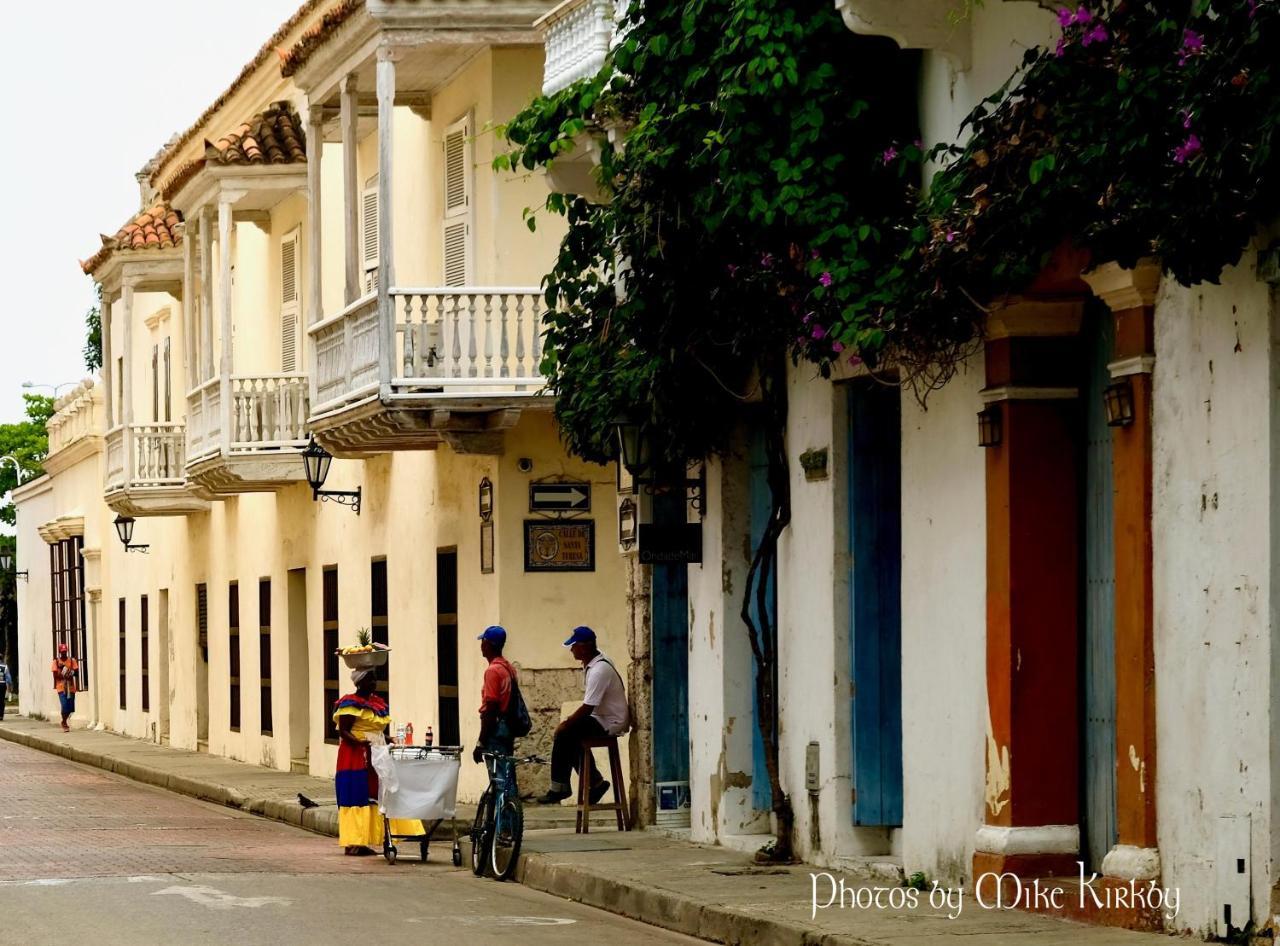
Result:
{"points": [[324, 252]]}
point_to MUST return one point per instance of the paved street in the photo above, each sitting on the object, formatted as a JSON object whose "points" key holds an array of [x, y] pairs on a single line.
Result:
{"points": [[89, 853]]}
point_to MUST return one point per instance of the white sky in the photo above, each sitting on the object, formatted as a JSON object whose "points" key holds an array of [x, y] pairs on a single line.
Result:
{"points": [[93, 88]]}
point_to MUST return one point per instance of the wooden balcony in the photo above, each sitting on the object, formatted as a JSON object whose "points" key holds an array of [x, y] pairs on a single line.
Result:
{"points": [[245, 433], [144, 471], [429, 366]]}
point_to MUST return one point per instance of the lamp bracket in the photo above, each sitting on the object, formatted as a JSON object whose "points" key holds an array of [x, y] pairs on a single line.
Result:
{"points": [[340, 496]]}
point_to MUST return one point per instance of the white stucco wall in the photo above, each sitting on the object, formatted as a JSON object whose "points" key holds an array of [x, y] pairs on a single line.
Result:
{"points": [[1214, 573]]}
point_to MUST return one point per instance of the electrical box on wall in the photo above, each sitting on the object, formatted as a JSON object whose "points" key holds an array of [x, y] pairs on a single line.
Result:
{"points": [[812, 773], [1232, 874]]}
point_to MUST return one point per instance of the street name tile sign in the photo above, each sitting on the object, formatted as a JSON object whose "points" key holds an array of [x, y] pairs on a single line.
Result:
{"points": [[559, 497], [559, 545]]}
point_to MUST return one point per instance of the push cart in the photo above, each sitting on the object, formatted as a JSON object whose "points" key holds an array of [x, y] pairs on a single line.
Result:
{"points": [[424, 788]]}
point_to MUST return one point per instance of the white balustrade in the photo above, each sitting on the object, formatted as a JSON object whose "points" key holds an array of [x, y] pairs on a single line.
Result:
{"points": [[204, 419], [577, 40], [76, 416], [346, 353], [158, 455], [270, 411], [115, 458], [482, 338]]}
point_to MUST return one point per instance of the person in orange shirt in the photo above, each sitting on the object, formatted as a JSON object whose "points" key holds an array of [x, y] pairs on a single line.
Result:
{"points": [[65, 668]]}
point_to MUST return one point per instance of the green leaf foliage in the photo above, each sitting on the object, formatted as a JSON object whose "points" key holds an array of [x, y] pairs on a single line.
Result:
{"points": [[27, 442]]}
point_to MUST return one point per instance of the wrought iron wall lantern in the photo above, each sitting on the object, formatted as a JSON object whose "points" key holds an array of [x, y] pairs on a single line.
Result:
{"points": [[486, 499], [1117, 398], [316, 459], [6, 566], [635, 452], [628, 523], [124, 529], [990, 432]]}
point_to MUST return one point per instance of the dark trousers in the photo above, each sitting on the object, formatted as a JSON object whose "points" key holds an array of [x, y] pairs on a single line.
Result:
{"points": [[566, 753], [4, 695]]}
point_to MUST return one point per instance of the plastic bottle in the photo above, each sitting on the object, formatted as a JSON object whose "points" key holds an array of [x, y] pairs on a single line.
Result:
{"points": [[408, 734], [398, 738], [428, 739]]}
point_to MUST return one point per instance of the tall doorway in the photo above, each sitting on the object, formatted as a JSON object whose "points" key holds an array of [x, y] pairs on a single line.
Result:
{"points": [[670, 654], [1098, 640], [875, 602], [299, 672], [760, 508], [164, 656], [447, 646], [202, 667]]}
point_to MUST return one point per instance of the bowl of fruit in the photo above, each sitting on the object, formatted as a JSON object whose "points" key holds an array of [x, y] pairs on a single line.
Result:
{"points": [[366, 653]]}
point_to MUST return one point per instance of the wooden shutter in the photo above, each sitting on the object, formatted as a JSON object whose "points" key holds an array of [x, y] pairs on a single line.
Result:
{"points": [[155, 384], [168, 380], [369, 233], [290, 302], [456, 237]]}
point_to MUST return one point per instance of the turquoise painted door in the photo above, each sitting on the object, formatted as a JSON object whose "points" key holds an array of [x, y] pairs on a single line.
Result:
{"points": [[761, 792], [670, 622], [875, 589], [1099, 638]]}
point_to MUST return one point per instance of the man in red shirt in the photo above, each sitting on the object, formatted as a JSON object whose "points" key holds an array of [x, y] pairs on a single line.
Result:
{"points": [[64, 681], [495, 695]]}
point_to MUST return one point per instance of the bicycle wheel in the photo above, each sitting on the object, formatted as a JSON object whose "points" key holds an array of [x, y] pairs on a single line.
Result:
{"points": [[507, 834], [481, 833]]}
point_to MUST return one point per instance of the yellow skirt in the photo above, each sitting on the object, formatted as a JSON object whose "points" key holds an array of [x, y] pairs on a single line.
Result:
{"points": [[362, 827]]}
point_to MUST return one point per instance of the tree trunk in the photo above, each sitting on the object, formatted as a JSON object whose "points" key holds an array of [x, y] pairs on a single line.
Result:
{"points": [[763, 630]]}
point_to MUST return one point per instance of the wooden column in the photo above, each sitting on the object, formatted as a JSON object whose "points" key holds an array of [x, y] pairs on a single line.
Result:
{"points": [[227, 345], [1130, 294], [386, 252], [350, 188], [108, 369], [315, 233], [206, 295], [1032, 788], [126, 380], [189, 305]]}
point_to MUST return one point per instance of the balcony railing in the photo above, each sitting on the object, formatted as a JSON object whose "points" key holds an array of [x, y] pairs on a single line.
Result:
{"points": [[448, 343], [577, 38], [155, 455], [265, 412]]}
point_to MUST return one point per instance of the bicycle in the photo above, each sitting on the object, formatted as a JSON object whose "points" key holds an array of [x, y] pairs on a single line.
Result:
{"points": [[499, 825]]}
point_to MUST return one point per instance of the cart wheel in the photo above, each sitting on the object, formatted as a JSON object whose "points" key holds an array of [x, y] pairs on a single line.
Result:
{"points": [[391, 854], [425, 847], [457, 855]]}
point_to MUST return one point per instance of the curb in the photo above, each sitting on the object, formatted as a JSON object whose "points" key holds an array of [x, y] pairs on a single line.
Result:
{"points": [[668, 910], [322, 820]]}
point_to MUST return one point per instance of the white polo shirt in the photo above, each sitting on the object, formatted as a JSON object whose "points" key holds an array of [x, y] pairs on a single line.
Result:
{"points": [[605, 692]]}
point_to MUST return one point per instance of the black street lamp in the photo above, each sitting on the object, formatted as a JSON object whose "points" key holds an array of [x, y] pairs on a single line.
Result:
{"points": [[316, 459], [1117, 398], [635, 453], [124, 529], [6, 566]]}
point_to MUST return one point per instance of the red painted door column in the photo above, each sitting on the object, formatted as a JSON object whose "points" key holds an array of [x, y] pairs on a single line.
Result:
{"points": [[1033, 732], [1130, 294]]}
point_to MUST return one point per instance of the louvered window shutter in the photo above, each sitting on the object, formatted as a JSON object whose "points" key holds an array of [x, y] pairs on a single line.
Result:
{"points": [[456, 238], [289, 302], [369, 233], [155, 384]]}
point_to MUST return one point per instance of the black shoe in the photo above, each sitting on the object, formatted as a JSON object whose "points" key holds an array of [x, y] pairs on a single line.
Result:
{"points": [[597, 791], [551, 798]]}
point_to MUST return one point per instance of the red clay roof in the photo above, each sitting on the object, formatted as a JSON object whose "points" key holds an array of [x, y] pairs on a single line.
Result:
{"points": [[159, 228], [292, 60], [274, 136], [269, 48]]}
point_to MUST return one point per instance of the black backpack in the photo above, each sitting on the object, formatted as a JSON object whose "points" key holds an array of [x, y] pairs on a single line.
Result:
{"points": [[518, 721]]}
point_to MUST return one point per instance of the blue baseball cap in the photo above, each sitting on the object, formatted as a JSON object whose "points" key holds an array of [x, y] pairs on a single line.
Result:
{"points": [[494, 634], [581, 635]]}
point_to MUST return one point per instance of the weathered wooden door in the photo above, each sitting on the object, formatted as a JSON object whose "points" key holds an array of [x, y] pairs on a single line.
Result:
{"points": [[875, 589], [1099, 637], [670, 619], [761, 504]]}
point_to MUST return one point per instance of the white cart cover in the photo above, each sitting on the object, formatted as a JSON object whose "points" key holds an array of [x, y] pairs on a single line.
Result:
{"points": [[426, 786]]}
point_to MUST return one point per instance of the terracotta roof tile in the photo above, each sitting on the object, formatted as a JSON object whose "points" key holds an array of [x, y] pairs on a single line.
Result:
{"points": [[269, 48], [292, 60], [159, 228]]}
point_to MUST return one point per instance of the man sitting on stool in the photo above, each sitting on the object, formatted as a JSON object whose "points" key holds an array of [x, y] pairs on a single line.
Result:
{"points": [[603, 713]]}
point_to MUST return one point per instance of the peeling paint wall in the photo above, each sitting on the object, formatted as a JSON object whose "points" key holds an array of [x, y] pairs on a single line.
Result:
{"points": [[944, 679], [1214, 389]]}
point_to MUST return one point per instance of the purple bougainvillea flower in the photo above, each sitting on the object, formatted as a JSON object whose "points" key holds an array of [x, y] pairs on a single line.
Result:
{"points": [[1096, 35], [1187, 150], [766, 260], [1062, 48], [1083, 16], [1192, 45], [1065, 17], [808, 317], [818, 333], [855, 360], [825, 279], [889, 154], [837, 347], [813, 254], [951, 236], [1186, 118]]}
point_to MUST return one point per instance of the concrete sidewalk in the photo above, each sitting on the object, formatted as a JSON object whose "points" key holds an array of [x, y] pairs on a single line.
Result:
{"points": [[708, 892]]}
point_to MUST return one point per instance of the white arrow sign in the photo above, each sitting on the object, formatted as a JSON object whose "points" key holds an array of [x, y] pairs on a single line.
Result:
{"points": [[563, 496]]}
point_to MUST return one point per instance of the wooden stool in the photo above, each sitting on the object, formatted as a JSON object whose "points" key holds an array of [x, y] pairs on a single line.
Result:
{"points": [[619, 804]]}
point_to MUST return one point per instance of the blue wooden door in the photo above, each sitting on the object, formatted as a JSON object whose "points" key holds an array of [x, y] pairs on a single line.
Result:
{"points": [[1099, 603], [875, 620], [670, 650], [761, 504]]}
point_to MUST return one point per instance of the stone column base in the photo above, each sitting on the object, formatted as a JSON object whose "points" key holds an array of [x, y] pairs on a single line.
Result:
{"points": [[1030, 851], [1127, 862]]}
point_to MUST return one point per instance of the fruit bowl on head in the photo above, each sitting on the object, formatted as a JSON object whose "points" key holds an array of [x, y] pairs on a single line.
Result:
{"points": [[364, 659]]}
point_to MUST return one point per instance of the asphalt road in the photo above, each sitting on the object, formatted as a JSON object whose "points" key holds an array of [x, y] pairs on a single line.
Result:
{"points": [[87, 856]]}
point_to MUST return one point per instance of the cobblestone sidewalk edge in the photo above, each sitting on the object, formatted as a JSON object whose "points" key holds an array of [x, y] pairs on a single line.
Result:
{"points": [[322, 820]]}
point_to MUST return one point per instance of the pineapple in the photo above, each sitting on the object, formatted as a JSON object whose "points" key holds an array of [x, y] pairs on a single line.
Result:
{"points": [[364, 643]]}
